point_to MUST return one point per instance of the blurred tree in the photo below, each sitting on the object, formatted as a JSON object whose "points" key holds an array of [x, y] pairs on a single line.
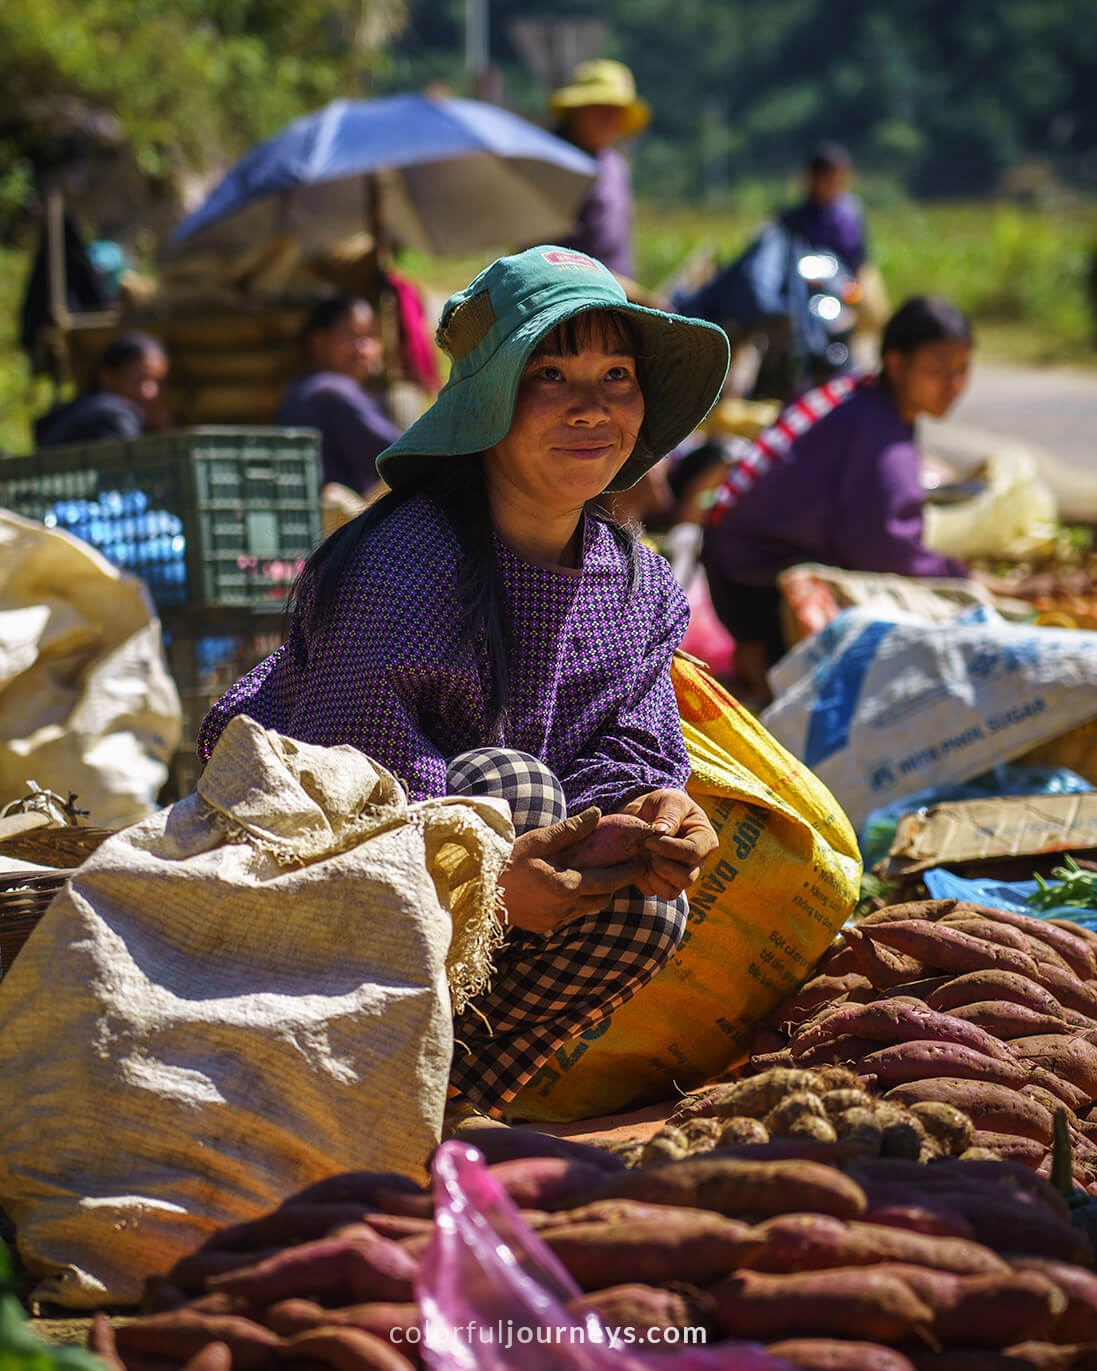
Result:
{"points": [[943, 95], [190, 85]]}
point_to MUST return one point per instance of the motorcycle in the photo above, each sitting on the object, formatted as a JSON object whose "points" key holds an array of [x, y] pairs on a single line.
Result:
{"points": [[791, 305]]}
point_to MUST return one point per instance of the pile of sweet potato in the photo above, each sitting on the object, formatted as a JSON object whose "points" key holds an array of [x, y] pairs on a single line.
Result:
{"points": [[880, 1267], [947, 1004]]}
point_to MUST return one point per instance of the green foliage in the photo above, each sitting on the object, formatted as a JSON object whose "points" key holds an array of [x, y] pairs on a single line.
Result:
{"points": [[199, 80], [1072, 886], [942, 95]]}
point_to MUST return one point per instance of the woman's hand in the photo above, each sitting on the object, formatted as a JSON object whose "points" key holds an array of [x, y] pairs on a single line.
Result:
{"points": [[541, 892], [682, 840]]}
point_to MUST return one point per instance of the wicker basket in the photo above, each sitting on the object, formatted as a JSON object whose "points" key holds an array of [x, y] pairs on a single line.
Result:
{"points": [[24, 898], [67, 846]]}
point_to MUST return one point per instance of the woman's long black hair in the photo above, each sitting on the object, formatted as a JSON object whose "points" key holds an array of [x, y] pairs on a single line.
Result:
{"points": [[460, 492]]}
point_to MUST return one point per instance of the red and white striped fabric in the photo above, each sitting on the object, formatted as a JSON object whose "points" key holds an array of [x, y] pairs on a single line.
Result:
{"points": [[772, 443]]}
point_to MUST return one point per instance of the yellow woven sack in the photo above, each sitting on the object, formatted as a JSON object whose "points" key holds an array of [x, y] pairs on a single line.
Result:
{"points": [[768, 903]]}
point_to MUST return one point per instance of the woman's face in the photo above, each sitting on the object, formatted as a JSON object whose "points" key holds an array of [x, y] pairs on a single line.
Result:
{"points": [[351, 346], [928, 380], [139, 379], [594, 127], [576, 419]]}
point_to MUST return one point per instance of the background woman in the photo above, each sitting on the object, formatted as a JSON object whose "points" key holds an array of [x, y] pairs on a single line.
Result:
{"points": [[343, 348], [484, 629], [124, 401], [836, 480], [596, 109]]}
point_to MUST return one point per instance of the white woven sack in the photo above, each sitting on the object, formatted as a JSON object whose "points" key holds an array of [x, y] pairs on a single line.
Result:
{"points": [[86, 702], [232, 999]]}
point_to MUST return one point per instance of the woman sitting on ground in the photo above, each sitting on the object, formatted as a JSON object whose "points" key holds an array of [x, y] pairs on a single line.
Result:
{"points": [[124, 399], [343, 348], [484, 629], [836, 480]]}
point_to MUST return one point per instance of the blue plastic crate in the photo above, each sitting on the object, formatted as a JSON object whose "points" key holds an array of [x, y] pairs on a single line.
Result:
{"points": [[205, 516]]}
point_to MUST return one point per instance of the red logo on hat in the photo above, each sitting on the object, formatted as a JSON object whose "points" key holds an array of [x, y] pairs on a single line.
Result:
{"points": [[562, 257]]}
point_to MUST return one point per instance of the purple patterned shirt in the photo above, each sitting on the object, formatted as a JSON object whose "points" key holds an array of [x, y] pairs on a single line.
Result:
{"points": [[589, 665]]}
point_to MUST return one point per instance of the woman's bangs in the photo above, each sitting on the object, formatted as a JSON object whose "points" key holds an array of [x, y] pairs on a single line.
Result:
{"points": [[602, 329]]}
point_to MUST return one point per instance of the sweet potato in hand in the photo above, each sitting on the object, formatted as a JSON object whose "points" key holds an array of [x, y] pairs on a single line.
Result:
{"points": [[616, 838]]}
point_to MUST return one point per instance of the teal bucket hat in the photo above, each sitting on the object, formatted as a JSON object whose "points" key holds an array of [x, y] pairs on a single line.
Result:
{"points": [[489, 330]]}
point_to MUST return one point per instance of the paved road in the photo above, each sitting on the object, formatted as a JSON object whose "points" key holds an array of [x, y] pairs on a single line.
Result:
{"points": [[1051, 411]]}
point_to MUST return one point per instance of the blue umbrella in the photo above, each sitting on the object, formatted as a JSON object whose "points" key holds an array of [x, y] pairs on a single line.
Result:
{"points": [[444, 175]]}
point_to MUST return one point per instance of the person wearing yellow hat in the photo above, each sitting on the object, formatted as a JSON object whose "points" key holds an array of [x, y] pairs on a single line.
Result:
{"points": [[595, 109]]}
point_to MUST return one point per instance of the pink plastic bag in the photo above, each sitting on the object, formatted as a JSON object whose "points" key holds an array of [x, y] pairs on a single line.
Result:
{"points": [[492, 1294]]}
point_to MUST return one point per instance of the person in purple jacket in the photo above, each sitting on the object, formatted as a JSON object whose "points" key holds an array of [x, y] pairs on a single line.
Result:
{"points": [[830, 218], [598, 107], [836, 480], [343, 349], [485, 629]]}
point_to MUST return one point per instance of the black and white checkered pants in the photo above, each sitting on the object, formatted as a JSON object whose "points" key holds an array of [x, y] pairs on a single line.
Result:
{"points": [[548, 990]]}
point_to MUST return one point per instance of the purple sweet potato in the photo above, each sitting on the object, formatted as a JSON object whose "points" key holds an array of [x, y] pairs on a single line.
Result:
{"points": [[999, 1108], [1067, 942], [754, 1304], [397, 1226], [1009, 1146], [881, 965], [338, 1270], [1026, 1356], [1078, 1320], [344, 1349], [616, 838], [1005, 1181], [931, 910], [197, 1269], [838, 1049], [950, 949], [291, 1317], [215, 1356], [943, 1201], [181, 1333], [1068, 1057], [896, 1020], [515, 1142], [817, 1242], [836, 1354], [819, 1150], [1059, 1086], [820, 990], [354, 1187], [730, 1186], [546, 1182], [918, 1219], [917, 990], [634, 1305], [294, 1222], [1072, 993], [416, 1204], [915, 1061], [984, 1310], [991, 929], [1005, 1020], [698, 1248], [1009, 1228], [974, 987]]}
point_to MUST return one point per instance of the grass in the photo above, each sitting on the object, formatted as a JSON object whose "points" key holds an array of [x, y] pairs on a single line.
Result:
{"points": [[1024, 274], [1021, 273]]}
